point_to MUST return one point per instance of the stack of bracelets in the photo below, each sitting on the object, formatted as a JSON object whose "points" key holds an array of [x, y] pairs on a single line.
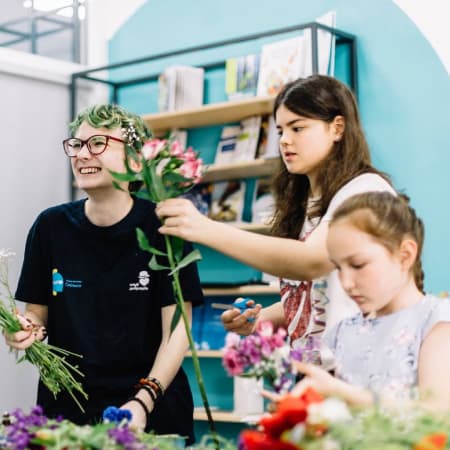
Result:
{"points": [[153, 387]]}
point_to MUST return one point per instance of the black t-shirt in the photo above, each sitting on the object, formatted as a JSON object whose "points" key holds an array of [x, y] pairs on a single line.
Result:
{"points": [[104, 302]]}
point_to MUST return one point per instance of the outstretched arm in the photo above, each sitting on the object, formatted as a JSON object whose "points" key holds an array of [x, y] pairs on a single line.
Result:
{"points": [[288, 258]]}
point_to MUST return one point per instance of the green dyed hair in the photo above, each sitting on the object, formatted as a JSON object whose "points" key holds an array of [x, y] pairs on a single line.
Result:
{"points": [[110, 117]]}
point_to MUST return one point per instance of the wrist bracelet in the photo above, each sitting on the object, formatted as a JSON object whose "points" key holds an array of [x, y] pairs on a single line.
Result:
{"points": [[150, 391], [155, 386], [141, 402], [158, 383]]}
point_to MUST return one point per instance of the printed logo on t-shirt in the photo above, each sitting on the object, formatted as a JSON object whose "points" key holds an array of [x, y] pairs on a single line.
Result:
{"points": [[58, 283], [142, 283]]}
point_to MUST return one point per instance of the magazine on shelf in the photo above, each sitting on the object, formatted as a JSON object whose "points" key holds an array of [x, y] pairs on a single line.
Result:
{"points": [[239, 143], [227, 144], [268, 143], [227, 201], [281, 62], [180, 87], [247, 139], [263, 204], [241, 76]]}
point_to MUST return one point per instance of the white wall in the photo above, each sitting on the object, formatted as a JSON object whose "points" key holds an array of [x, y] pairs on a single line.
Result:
{"points": [[101, 30], [34, 174]]}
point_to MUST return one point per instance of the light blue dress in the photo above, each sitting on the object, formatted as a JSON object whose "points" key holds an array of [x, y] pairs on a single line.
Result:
{"points": [[382, 354]]}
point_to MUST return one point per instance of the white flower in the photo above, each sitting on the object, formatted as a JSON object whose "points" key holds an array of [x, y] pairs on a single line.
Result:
{"points": [[6, 253], [331, 410]]}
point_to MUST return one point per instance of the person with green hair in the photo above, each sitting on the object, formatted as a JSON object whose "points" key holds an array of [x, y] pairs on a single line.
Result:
{"points": [[88, 285]]}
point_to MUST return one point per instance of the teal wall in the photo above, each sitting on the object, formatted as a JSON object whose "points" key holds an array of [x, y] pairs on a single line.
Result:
{"points": [[404, 88]]}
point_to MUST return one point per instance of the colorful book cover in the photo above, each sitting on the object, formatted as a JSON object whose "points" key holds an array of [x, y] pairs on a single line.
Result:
{"points": [[241, 76], [227, 203]]}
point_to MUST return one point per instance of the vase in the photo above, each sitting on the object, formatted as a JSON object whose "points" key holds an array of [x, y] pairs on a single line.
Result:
{"points": [[247, 396]]}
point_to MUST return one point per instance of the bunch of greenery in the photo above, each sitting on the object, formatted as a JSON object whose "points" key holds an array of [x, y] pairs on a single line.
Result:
{"points": [[54, 369]]}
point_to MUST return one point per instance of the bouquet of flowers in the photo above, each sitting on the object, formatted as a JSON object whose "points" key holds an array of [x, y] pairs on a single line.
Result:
{"points": [[54, 370], [166, 171], [312, 422], [266, 354], [21, 431]]}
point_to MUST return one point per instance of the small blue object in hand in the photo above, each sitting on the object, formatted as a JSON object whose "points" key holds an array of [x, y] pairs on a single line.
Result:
{"points": [[114, 414], [240, 303]]}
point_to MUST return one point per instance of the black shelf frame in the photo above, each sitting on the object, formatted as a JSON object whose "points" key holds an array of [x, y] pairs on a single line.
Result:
{"points": [[342, 39]]}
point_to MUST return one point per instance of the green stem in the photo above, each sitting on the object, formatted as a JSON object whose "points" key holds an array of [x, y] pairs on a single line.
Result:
{"points": [[195, 360]]}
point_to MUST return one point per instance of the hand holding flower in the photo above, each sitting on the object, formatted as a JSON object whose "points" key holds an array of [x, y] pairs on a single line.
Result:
{"points": [[30, 333], [181, 218], [138, 419], [324, 383]]}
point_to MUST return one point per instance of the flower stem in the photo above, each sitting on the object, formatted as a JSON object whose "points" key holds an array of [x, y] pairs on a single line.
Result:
{"points": [[195, 360]]}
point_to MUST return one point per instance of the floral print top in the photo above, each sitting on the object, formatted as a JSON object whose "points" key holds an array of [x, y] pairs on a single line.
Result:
{"points": [[382, 354]]}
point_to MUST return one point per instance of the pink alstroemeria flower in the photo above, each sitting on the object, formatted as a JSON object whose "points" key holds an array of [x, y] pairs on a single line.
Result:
{"points": [[153, 147]]}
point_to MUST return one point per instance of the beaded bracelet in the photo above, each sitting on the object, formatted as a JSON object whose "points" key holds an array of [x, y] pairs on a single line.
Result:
{"points": [[141, 402], [156, 386]]}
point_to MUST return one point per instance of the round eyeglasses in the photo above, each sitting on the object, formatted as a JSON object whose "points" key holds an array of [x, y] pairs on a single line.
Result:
{"points": [[96, 144]]}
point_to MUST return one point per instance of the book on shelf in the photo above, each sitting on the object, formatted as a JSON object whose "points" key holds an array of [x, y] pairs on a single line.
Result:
{"points": [[326, 43], [180, 88], [227, 201], [227, 144], [263, 204], [239, 143], [268, 143], [241, 76], [281, 63]]}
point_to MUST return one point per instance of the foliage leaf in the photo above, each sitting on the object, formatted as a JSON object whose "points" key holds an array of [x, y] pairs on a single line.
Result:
{"points": [[144, 244], [154, 265], [195, 255]]}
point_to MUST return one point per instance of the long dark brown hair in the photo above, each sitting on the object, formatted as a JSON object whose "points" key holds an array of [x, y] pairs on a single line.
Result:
{"points": [[389, 220], [319, 97]]}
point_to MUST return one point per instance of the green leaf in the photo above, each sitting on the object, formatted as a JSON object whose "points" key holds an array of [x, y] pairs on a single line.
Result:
{"points": [[154, 265], [143, 194], [118, 186], [175, 319], [188, 259], [157, 183], [125, 176], [177, 246], [144, 244]]}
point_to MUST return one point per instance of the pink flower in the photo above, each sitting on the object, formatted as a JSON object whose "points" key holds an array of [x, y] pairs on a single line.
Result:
{"points": [[265, 328], [153, 147], [176, 149], [232, 363], [191, 169]]}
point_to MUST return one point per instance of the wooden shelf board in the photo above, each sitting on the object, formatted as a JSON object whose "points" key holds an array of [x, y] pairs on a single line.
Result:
{"points": [[249, 169], [210, 114], [206, 354], [239, 291]]}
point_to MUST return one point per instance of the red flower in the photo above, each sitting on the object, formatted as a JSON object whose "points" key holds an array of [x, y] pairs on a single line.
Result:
{"points": [[291, 410], [435, 441], [255, 440]]}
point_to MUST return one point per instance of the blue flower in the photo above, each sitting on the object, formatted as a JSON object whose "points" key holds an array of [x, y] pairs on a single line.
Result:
{"points": [[114, 414]]}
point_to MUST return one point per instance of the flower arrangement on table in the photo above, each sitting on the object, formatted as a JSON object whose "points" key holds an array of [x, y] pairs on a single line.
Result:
{"points": [[54, 369], [266, 354], [312, 422], [167, 171], [34, 431]]}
